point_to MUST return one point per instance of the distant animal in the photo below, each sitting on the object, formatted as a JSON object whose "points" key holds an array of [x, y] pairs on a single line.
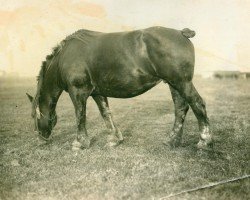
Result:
{"points": [[120, 65]]}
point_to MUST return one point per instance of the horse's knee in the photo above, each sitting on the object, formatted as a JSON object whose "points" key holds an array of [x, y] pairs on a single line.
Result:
{"points": [[180, 113], [184, 109], [201, 102], [106, 113]]}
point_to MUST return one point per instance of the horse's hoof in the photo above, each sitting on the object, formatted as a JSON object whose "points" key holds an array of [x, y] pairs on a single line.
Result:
{"points": [[113, 141], [202, 153], [85, 143], [205, 145], [173, 142], [76, 145], [120, 136], [82, 144], [112, 144], [75, 148]]}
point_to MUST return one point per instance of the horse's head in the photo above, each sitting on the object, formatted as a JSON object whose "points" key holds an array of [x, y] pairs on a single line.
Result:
{"points": [[44, 116]]}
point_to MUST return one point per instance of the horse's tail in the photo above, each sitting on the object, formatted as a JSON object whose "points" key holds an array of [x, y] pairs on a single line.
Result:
{"points": [[187, 33]]}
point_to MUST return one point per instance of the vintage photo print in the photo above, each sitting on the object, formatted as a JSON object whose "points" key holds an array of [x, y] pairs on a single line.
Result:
{"points": [[124, 99]]}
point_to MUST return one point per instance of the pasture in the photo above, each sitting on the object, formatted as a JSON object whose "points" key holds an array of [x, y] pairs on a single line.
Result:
{"points": [[140, 168]]}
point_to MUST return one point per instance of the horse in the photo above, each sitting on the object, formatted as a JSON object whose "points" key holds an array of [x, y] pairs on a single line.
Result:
{"points": [[119, 65]]}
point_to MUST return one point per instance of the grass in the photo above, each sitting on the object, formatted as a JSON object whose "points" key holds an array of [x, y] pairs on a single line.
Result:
{"points": [[142, 167]]}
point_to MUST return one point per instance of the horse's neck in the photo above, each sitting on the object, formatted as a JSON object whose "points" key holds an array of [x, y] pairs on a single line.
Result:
{"points": [[50, 91]]}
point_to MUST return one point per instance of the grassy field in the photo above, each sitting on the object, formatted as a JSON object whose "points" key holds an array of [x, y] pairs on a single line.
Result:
{"points": [[142, 167]]}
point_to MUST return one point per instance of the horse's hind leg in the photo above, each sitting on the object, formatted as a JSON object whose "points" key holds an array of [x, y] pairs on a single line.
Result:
{"points": [[181, 109], [116, 136], [188, 91], [79, 97]]}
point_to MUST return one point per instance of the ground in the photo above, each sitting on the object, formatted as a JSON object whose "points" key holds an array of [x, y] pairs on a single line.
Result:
{"points": [[140, 168]]}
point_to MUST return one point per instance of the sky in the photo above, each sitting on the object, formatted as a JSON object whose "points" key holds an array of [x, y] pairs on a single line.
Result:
{"points": [[29, 29]]}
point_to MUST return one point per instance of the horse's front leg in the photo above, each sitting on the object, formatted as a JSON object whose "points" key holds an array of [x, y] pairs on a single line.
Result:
{"points": [[115, 137], [181, 109], [79, 98]]}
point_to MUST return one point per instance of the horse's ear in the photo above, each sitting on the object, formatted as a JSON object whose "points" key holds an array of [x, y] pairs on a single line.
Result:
{"points": [[30, 97]]}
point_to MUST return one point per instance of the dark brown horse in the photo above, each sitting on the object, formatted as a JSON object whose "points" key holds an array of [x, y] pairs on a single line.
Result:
{"points": [[120, 65]]}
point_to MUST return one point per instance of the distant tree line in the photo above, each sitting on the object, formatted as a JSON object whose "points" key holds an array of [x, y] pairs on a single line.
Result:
{"points": [[231, 75]]}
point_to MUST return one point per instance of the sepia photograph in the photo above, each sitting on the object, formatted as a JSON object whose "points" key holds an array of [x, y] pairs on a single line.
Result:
{"points": [[125, 99]]}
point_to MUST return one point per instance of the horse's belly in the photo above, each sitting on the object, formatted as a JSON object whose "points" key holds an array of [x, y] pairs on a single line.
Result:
{"points": [[126, 88]]}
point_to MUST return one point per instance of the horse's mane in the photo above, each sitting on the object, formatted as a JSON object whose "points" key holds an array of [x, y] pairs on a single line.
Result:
{"points": [[46, 62], [44, 67]]}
